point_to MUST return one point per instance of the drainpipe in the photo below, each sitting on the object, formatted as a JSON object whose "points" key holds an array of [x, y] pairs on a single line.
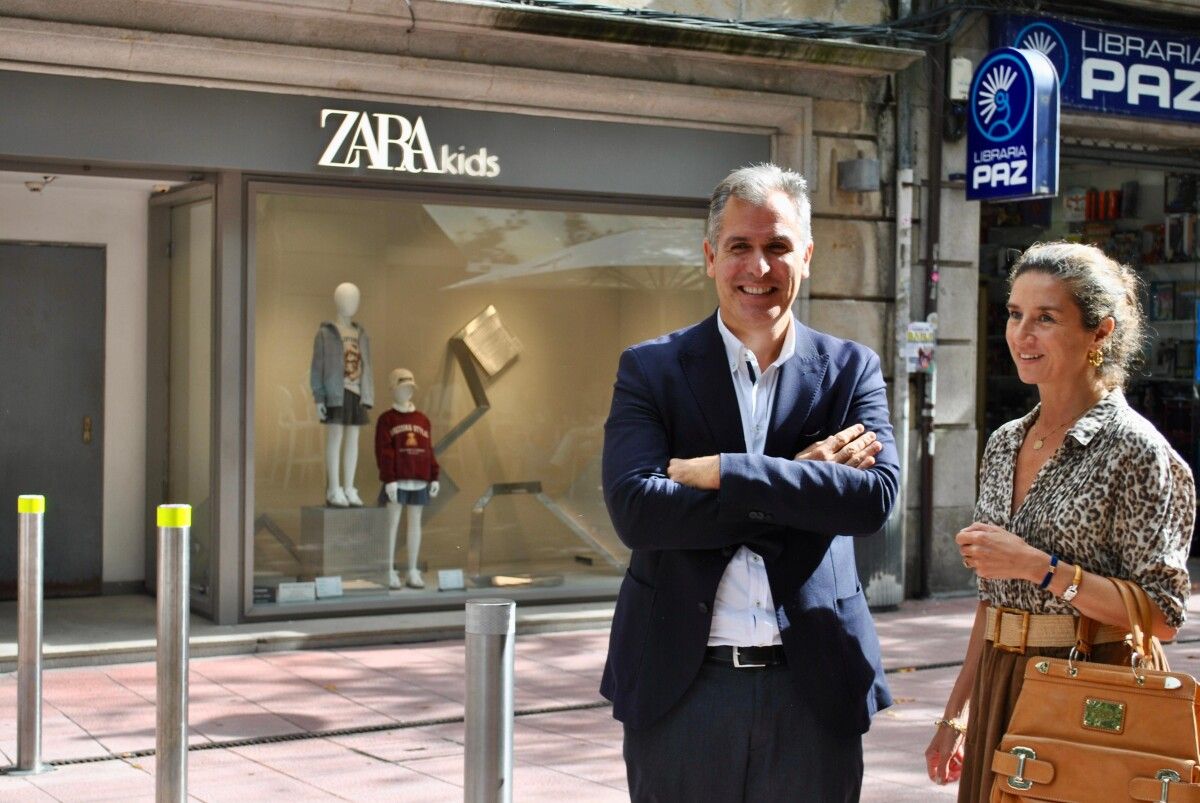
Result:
{"points": [[932, 226], [902, 305]]}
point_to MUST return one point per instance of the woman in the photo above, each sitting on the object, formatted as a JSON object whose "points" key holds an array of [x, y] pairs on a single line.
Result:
{"points": [[1080, 489]]}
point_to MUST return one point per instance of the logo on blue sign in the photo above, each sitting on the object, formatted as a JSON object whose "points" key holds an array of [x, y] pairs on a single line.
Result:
{"points": [[1012, 136], [1047, 40], [1002, 97]]}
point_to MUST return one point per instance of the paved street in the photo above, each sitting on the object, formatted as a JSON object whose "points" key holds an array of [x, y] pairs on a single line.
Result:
{"points": [[385, 722]]}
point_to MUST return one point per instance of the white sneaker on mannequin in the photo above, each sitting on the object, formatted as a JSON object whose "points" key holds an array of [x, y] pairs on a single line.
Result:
{"points": [[414, 579], [394, 579], [337, 498], [352, 497]]}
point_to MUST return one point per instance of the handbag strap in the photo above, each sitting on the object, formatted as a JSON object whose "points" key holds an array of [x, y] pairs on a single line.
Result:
{"points": [[1138, 608]]}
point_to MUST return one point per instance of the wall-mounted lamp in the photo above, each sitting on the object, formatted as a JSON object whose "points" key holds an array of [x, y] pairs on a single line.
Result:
{"points": [[858, 175], [37, 185]]}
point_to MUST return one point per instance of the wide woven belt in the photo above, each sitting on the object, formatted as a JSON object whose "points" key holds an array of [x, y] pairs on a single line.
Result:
{"points": [[747, 657], [1014, 630]]}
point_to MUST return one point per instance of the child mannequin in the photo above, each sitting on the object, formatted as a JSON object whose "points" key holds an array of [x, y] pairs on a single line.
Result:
{"points": [[408, 470], [343, 391]]}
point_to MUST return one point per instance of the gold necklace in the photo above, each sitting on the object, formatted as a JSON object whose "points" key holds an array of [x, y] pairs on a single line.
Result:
{"points": [[1041, 439]]}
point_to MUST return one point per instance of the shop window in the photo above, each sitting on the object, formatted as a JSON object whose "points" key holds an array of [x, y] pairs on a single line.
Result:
{"points": [[511, 321]]}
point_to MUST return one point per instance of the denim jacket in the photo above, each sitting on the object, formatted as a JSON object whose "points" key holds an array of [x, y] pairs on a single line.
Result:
{"points": [[328, 367]]}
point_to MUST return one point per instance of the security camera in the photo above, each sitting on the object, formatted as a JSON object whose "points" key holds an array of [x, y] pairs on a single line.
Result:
{"points": [[37, 185]]}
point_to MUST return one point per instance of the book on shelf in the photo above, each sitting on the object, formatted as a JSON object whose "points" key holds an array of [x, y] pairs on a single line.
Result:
{"points": [[1162, 301], [1186, 294]]}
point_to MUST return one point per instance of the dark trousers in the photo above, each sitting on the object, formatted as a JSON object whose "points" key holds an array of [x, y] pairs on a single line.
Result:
{"points": [[742, 735]]}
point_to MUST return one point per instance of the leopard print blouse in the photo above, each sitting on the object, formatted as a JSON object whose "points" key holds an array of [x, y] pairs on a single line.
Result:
{"points": [[1115, 498]]}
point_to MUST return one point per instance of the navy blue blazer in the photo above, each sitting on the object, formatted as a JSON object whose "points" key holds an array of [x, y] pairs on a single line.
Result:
{"points": [[674, 397]]}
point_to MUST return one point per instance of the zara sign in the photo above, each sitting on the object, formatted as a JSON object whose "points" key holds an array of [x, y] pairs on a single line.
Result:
{"points": [[392, 142], [1113, 69], [1012, 129]]}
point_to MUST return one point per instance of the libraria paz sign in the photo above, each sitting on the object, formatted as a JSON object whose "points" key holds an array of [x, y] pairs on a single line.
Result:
{"points": [[1138, 72], [1012, 127]]}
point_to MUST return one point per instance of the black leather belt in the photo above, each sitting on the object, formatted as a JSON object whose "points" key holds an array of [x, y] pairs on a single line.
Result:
{"points": [[747, 657]]}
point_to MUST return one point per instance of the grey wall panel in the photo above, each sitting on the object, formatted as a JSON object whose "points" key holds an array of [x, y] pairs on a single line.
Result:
{"points": [[126, 122]]}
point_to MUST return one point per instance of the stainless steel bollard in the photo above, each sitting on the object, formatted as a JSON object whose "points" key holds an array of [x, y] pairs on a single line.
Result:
{"points": [[31, 513], [491, 636], [174, 525]]}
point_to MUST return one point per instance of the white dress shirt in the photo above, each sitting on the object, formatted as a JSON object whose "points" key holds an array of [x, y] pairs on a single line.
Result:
{"points": [[744, 612]]}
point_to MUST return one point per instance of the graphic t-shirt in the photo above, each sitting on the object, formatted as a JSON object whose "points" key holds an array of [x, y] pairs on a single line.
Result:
{"points": [[351, 359]]}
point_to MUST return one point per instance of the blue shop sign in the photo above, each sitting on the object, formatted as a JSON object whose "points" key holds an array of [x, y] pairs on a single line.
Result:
{"points": [[1012, 127], [1111, 69]]}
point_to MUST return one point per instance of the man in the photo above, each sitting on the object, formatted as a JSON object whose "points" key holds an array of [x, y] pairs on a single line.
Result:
{"points": [[738, 453]]}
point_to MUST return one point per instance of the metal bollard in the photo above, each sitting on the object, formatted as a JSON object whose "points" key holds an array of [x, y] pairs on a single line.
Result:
{"points": [[174, 525], [491, 634], [31, 513]]}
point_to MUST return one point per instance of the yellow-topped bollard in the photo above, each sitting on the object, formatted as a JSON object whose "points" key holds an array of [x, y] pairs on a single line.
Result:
{"points": [[31, 503], [171, 675], [174, 515], [31, 514]]}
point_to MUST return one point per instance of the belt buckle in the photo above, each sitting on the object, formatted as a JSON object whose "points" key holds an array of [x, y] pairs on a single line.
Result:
{"points": [[737, 661], [1020, 648]]}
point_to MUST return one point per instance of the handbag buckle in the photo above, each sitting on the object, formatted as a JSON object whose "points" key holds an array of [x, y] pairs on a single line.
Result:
{"points": [[1023, 754], [1019, 649], [1167, 777]]}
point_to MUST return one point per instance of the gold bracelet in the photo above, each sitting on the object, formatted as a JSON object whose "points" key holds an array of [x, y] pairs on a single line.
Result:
{"points": [[957, 726]]}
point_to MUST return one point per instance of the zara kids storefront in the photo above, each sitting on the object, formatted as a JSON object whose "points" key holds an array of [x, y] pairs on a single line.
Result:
{"points": [[289, 310]]}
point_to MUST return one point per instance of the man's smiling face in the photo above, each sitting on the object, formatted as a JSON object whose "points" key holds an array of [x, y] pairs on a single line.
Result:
{"points": [[761, 257]]}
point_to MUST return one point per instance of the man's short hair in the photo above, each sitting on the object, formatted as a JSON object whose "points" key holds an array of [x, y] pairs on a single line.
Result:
{"points": [[754, 185]]}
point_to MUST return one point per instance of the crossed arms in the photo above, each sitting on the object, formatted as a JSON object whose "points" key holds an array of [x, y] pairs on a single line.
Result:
{"points": [[843, 484]]}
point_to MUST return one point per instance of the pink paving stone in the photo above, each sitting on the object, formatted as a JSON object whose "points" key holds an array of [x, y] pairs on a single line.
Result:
{"points": [[225, 775], [63, 738], [18, 790], [606, 768], [596, 725], [100, 781], [236, 718], [532, 784], [408, 744], [340, 770], [444, 768]]}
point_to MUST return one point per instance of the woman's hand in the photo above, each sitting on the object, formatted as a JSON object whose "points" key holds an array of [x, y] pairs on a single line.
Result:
{"points": [[944, 756], [996, 554]]}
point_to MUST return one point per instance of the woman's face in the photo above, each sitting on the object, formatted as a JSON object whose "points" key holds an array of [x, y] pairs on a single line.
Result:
{"points": [[1045, 332]]}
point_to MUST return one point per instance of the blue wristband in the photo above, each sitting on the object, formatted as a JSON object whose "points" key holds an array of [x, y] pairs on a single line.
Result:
{"points": [[1049, 574]]}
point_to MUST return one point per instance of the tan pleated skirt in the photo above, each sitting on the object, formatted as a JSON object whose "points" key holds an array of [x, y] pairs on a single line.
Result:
{"points": [[993, 698]]}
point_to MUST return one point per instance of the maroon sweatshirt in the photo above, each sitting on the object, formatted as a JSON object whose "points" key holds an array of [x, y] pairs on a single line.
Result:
{"points": [[404, 447]]}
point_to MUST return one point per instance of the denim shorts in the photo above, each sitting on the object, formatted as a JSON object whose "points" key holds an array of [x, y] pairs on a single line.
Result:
{"points": [[404, 497]]}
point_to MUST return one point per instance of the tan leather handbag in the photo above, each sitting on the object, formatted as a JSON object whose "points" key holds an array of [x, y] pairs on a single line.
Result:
{"points": [[1097, 732]]}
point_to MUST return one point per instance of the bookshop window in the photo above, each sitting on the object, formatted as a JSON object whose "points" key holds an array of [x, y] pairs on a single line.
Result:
{"points": [[400, 344], [1142, 217]]}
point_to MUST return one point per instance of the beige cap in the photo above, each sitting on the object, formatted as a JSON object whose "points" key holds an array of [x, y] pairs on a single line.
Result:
{"points": [[401, 375]]}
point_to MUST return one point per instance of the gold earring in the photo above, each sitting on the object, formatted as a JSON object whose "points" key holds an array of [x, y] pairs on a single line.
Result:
{"points": [[1095, 358]]}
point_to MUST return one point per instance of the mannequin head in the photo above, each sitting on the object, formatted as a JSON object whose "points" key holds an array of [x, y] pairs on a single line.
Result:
{"points": [[346, 298], [403, 386]]}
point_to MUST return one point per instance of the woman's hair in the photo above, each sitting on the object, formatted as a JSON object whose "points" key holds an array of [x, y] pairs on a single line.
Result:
{"points": [[1102, 288]]}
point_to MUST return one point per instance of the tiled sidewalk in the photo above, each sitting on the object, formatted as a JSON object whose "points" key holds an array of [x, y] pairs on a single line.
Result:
{"points": [[569, 750]]}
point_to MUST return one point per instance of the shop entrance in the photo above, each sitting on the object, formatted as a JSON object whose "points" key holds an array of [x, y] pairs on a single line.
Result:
{"points": [[52, 408]]}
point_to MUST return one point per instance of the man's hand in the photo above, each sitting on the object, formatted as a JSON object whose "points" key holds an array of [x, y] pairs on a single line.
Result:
{"points": [[853, 446], [703, 473]]}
